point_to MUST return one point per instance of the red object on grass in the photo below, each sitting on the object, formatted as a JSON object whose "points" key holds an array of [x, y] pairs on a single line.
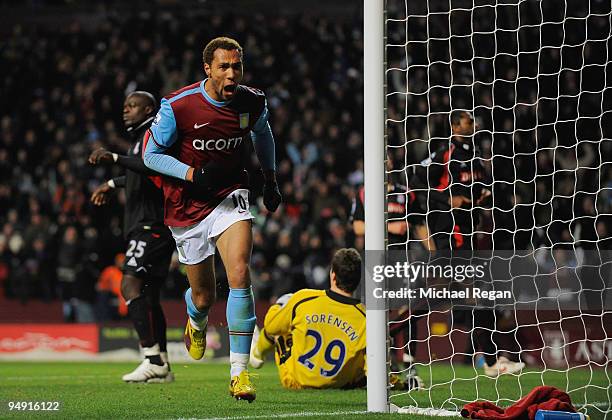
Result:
{"points": [[540, 398]]}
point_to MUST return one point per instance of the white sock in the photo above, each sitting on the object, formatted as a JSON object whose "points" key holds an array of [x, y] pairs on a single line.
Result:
{"points": [[238, 362], [151, 351], [199, 325]]}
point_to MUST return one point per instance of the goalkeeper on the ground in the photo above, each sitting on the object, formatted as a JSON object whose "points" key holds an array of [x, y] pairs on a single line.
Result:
{"points": [[319, 335]]}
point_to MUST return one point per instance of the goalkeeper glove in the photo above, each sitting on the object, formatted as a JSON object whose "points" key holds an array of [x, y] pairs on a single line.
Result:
{"points": [[271, 196]]}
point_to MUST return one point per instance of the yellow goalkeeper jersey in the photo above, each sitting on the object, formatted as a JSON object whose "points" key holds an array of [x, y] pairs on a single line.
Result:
{"points": [[321, 339]]}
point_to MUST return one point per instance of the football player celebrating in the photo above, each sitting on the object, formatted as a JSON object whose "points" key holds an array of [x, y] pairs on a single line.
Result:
{"points": [[197, 139], [150, 244]]}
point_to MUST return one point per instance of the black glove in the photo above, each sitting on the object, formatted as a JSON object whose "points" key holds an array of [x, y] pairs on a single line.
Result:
{"points": [[214, 175], [204, 177], [271, 196]]}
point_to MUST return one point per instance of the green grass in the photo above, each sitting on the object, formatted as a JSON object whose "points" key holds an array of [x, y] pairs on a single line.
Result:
{"points": [[582, 384], [95, 390]]}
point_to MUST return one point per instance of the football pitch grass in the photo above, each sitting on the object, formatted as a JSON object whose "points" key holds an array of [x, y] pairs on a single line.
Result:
{"points": [[95, 390]]}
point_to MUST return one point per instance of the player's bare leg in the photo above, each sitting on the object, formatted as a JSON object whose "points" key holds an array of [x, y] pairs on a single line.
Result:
{"points": [[199, 298], [153, 368], [235, 245]]}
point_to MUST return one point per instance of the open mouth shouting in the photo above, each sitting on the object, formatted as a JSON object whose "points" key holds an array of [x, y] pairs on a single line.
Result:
{"points": [[229, 90]]}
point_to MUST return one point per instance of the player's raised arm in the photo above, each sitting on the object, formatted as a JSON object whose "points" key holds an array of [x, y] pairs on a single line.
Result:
{"points": [[263, 141], [160, 137]]}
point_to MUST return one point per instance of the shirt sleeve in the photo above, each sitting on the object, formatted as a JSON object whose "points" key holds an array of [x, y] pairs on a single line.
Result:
{"points": [[134, 163], [119, 181], [263, 141], [162, 135], [279, 322]]}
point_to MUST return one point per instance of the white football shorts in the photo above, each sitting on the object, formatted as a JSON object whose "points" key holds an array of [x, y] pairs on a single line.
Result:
{"points": [[197, 242]]}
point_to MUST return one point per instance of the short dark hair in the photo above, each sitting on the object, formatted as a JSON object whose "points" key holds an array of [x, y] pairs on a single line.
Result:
{"points": [[346, 264], [456, 116], [222, 42], [147, 96]]}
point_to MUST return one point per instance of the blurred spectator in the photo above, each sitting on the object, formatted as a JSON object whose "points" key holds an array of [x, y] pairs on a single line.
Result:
{"points": [[4, 264], [68, 266], [80, 73], [316, 269], [85, 285], [111, 304], [38, 267], [538, 150]]}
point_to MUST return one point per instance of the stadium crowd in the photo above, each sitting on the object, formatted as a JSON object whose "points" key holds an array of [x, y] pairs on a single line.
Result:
{"points": [[539, 97], [67, 89], [534, 77], [67, 86]]}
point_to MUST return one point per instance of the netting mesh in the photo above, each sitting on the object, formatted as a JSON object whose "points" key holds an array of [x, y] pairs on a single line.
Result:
{"points": [[536, 76]]}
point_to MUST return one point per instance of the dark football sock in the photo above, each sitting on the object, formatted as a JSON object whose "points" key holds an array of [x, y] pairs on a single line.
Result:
{"points": [[152, 292], [484, 325], [159, 327], [141, 315]]}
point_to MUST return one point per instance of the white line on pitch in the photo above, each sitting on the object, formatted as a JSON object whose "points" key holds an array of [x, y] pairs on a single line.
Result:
{"points": [[32, 378], [598, 404], [280, 416]]}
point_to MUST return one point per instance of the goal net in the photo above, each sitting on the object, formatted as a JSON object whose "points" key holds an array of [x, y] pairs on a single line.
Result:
{"points": [[530, 185]]}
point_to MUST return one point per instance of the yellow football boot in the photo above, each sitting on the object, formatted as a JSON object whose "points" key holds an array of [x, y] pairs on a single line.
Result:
{"points": [[195, 341], [242, 388]]}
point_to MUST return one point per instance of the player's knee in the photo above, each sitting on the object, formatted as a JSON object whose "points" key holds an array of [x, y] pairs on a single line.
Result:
{"points": [[130, 287], [239, 276], [202, 298]]}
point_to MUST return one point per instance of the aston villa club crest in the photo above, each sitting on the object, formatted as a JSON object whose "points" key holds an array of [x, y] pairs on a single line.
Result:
{"points": [[244, 120]]}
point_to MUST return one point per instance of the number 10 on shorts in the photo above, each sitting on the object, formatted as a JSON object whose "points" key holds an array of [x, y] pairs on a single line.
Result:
{"points": [[239, 202]]}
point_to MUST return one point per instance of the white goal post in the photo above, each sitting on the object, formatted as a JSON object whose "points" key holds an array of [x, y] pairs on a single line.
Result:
{"points": [[374, 203]]}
